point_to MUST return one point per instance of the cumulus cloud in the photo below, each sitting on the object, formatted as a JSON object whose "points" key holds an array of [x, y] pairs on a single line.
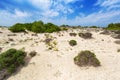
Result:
{"points": [[61, 11], [7, 18]]}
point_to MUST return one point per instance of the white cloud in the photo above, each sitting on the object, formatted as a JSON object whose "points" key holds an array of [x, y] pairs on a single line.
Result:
{"points": [[41, 4], [19, 13], [108, 4], [100, 19], [7, 18], [50, 13]]}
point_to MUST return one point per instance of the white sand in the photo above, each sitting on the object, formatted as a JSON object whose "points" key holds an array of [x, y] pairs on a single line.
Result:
{"points": [[59, 65]]}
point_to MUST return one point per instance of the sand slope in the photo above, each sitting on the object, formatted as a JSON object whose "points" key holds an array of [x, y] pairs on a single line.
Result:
{"points": [[59, 65]]}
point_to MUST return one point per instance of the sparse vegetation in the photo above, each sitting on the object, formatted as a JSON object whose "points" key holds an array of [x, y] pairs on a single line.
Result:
{"points": [[50, 42], [72, 42], [85, 35], [73, 34], [86, 58]]}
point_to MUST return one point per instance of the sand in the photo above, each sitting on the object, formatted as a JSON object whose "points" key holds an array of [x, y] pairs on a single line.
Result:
{"points": [[59, 65]]}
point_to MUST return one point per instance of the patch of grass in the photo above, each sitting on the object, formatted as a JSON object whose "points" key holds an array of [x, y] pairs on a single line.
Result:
{"points": [[86, 58], [73, 42]]}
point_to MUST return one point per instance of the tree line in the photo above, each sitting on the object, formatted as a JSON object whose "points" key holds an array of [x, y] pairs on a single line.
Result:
{"points": [[37, 27]]}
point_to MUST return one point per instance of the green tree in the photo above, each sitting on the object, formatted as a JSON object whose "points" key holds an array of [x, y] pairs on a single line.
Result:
{"points": [[49, 27], [38, 27]]}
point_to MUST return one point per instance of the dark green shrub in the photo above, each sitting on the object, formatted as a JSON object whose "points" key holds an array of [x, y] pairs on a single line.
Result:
{"points": [[85, 35], [115, 26], [86, 58], [12, 59], [17, 28], [72, 42], [49, 27], [38, 27], [93, 27]]}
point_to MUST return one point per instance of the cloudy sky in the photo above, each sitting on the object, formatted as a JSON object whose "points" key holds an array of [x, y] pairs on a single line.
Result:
{"points": [[71, 12]]}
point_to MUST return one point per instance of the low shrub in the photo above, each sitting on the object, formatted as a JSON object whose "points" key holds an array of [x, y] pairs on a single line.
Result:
{"points": [[117, 42], [73, 34], [72, 42], [113, 26], [86, 58], [118, 50], [12, 59], [47, 40], [32, 53], [85, 35], [116, 31], [117, 36]]}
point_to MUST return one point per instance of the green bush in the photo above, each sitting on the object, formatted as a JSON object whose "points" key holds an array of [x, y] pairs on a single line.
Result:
{"points": [[11, 59], [115, 26], [49, 27], [72, 42], [37, 27], [17, 28], [86, 58]]}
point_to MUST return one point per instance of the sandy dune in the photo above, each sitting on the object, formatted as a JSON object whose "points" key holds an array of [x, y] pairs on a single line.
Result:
{"points": [[59, 65]]}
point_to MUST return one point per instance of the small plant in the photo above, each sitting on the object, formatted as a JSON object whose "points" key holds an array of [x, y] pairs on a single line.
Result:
{"points": [[72, 42], [86, 58], [54, 42], [47, 40], [73, 34], [32, 53], [118, 50], [117, 42], [85, 35]]}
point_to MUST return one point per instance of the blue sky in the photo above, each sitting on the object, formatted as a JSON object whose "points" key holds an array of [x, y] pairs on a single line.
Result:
{"points": [[71, 12]]}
